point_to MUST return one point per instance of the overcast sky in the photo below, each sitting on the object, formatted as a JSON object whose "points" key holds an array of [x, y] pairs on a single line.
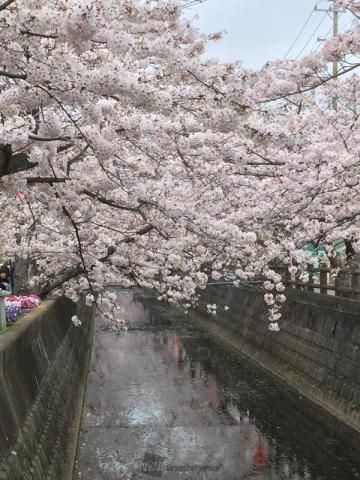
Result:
{"points": [[261, 30]]}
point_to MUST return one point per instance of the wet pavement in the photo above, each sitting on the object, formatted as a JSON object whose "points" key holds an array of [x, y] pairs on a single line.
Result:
{"points": [[164, 400]]}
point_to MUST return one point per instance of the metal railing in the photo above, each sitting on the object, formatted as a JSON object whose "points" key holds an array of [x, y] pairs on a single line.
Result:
{"points": [[346, 282]]}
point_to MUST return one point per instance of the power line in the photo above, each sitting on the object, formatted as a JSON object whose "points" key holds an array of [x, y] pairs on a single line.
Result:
{"points": [[303, 28], [299, 34], [311, 37], [191, 3]]}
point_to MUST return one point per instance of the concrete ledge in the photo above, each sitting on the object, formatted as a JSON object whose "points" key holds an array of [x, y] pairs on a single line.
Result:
{"points": [[317, 352], [43, 367]]}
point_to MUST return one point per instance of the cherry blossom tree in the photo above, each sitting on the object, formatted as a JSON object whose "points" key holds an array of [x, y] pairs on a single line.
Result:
{"points": [[115, 145], [311, 153], [129, 158]]}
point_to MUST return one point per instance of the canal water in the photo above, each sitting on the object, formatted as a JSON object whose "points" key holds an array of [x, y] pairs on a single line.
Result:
{"points": [[165, 400]]}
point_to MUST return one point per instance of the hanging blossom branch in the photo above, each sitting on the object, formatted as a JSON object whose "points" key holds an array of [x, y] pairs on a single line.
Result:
{"points": [[80, 250], [58, 279], [162, 148], [319, 83]]}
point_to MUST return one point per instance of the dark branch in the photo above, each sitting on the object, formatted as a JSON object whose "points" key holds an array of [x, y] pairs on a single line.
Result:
{"points": [[10, 163], [48, 139], [6, 4], [35, 34], [80, 246], [110, 203], [5, 73], [243, 108], [59, 278], [142, 231], [50, 180], [75, 159]]}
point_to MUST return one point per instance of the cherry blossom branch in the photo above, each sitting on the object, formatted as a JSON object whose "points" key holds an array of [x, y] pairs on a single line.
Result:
{"points": [[110, 203], [130, 239], [75, 159], [218, 92], [58, 279], [6, 4], [312, 87], [81, 133], [19, 76], [47, 139], [35, 34], [50, 180], [10, 163], [80, 246]]}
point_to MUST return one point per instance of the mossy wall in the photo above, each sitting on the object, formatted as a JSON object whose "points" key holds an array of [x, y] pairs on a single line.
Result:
{"points": [[43, 369], [317, 350]]}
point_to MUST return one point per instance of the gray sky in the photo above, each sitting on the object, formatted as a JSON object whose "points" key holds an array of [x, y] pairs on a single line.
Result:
{"points": [[261, 30]]}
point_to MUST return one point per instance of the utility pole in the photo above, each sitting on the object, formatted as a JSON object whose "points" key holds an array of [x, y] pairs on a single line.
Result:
{"points": [[335, 33], [335, 16]]}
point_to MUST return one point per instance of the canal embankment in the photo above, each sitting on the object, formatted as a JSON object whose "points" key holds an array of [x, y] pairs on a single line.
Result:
{"points": [[317, 351], [166, 400], [43, 369], [164, 389]]}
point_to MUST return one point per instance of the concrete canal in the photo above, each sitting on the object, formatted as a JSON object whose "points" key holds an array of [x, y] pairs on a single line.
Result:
{"points": [[165, 400]]}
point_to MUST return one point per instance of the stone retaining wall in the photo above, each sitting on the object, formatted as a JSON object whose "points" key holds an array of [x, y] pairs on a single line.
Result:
{"points": [[43, 368], [317, 350]]}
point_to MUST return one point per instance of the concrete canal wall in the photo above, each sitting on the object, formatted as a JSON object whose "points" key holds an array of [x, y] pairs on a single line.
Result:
{"points": [[317, 350], [43, 368]]}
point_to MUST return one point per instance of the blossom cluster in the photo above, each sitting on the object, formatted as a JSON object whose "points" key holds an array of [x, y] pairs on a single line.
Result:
{"points": [[143, 163]]}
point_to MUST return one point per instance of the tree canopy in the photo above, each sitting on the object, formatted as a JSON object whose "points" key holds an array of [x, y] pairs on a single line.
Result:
{"points": [[127, 157]]}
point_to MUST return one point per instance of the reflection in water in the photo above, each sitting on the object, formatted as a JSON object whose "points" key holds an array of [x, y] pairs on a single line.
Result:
{"points": [[256, 446], [167, 391], [213, 393], [262, 453]]}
